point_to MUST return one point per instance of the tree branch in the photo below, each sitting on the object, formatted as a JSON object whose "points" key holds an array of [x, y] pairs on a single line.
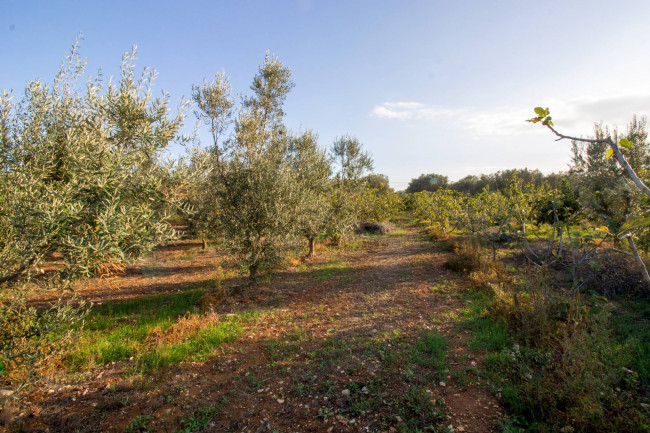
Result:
{"points": [[617, 152]]}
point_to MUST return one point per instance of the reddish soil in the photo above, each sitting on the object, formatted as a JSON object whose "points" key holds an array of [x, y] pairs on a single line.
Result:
{"points": [[318, 335]]}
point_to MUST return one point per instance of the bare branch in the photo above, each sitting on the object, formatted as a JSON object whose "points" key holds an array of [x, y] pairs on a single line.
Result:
{"points": [[617, 152]]}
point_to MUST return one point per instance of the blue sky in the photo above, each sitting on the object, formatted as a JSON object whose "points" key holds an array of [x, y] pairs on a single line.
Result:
{"points": [[427, 86]]}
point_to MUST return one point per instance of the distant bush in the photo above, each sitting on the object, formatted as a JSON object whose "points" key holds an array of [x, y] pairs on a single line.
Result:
{"points": [[468, 256]]}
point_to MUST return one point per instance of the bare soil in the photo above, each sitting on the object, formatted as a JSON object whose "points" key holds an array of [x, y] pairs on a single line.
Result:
{"points": [[321, 330]]}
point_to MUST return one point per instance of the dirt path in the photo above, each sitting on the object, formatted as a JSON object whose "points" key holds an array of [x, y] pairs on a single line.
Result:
{"points": [[345, 343]]}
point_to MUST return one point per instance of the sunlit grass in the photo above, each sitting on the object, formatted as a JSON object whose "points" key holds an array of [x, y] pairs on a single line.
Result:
{"points": [[154, 332]]}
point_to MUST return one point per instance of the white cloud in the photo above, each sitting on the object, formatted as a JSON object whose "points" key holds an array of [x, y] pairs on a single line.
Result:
{"points": [[411, 111], [578, 115], [500, 120]]}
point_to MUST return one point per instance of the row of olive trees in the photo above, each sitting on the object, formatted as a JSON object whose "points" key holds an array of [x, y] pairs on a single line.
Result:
{"points": [[265, 189], [84, 189]]}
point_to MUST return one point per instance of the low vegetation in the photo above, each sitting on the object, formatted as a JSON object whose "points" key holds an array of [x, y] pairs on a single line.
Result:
{"points": [[314, 297]]}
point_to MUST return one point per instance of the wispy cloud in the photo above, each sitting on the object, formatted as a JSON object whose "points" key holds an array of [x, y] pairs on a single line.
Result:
{"points": [[479, 122], [578, 114], [411, 111], [583, 113]]}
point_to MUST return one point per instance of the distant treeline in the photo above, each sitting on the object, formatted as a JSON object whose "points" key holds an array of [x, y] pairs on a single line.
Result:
{"points": [[473, 184]]}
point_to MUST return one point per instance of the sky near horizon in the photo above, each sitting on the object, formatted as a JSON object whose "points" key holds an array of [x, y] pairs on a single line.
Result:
{"points": [[426, 86]]}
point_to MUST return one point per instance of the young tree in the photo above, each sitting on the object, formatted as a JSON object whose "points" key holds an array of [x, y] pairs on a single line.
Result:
{"points": [[352, 163], [612, 147], [313, 170], [441, 207], [253, 179]]}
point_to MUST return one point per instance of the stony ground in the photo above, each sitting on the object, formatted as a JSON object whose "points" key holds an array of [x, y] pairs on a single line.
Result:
{"points": [[358, 339]]}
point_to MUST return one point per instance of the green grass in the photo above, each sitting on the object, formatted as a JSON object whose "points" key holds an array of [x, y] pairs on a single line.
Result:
{"points": [[331, 269], [418, 412], [130, 329], [631, 324], [488, 334], [429, 351], [139, 424], [201, 417]]}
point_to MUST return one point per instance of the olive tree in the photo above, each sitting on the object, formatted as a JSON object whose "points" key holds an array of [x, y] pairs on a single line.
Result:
{"points": [[349, 186], [80, 173], [266, 185], [313, 169], [82, 187]]}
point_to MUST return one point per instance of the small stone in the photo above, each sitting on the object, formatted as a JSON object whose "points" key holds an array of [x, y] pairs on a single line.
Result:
{"points": [[6, 392], [460, 428], [364, 390], [373, 331], [280, 400], [345, 392], [473, 363], [450, 426], [442, 384], [341, 419], [398, 419]]}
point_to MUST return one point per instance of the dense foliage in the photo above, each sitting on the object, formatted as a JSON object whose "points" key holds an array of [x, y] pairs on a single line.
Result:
{"points": [[427, 182], [267, 188], [82, 187]]}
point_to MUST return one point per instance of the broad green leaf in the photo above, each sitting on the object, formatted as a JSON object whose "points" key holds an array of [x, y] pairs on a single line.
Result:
{"points": [[625, 143], [540, 111], [609, 153]]}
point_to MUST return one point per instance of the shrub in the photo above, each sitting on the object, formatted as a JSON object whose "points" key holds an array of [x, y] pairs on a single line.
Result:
{"points": [[567, 367], [468, 256]]}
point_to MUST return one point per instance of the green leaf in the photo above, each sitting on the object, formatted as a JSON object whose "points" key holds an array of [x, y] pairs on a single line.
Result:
{"points": [[625, 143], [609, 153], [540, 111]]}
